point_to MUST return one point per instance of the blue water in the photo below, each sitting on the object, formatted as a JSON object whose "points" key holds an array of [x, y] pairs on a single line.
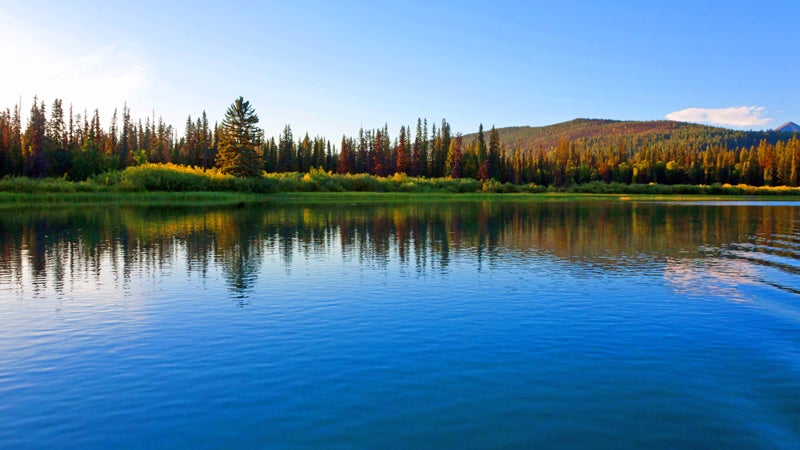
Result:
{"points": [[475, 325]]}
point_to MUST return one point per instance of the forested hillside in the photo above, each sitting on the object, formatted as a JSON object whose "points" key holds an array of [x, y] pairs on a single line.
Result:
{"points": [[638, 133], [668, 152], [57, 142]]}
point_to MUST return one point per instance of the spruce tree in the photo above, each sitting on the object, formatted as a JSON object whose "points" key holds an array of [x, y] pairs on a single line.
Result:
{"points": [[239, 146], [495, 155], [286, 155], [403, 159], [453, 164], [417, 152], [33, 142]]}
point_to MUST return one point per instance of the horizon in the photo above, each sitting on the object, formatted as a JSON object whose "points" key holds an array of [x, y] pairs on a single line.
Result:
{"points": [[329, 70]]}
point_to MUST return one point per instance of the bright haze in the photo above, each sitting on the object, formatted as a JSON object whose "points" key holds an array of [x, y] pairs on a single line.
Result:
{"points": [[329, 68]]}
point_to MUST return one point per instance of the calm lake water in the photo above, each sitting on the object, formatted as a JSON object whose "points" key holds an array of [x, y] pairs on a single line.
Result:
{"points": [[431, 325]]}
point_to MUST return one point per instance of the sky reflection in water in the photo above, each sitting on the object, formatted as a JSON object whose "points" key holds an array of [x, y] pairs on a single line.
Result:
{"points": [[617, 325]]}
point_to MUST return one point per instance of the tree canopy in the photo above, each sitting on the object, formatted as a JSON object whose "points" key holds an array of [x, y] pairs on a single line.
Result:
{"points": [[239, 146]]}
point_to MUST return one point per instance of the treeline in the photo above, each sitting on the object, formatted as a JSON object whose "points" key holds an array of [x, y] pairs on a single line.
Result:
{"points": [[55, 143], [77, 146]]}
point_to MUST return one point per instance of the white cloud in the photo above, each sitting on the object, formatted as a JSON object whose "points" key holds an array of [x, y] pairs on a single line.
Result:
{"points": [[38, 62], [735, 116]]}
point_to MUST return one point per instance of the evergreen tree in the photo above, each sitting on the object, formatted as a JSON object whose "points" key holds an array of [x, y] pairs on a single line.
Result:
{"points": [[56, 146], [16, 162], [286, 150], [346, 156], [239, 146], [495, 156], [424, 166], [378, 166], [434, 170], [481, 145], [446, 138], [204, 142], [416, 151], [318, 155], [188, 149], [469, 161], [362, 157], [34, 142], [270, 156], [454, 156], [112, 138], [125, 138], [5, 141], [330, 159], [403, 159]]}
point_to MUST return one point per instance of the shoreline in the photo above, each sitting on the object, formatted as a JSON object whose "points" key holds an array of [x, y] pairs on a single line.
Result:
{"points": [[205, 198]]}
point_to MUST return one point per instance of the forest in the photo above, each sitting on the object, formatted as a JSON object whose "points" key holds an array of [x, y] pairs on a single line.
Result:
{"points": [[56, 142]]}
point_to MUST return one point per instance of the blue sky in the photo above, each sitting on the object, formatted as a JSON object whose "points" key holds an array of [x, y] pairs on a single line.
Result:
{"points": [[329, 68]]}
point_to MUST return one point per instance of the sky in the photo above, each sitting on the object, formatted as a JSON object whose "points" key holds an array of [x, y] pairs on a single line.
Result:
{"points": [[330, 68]]}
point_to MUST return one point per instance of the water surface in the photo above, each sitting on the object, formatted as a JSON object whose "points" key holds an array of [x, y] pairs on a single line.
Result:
{"points": [[468, 325]]}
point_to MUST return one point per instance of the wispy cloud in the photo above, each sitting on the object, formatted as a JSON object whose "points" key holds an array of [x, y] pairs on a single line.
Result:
{"points": [[51, 66], [735, 116]]}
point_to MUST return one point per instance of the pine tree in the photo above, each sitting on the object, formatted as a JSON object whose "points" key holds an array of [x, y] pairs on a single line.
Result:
{"points": [[113, 136], [403, 159], [481, 145], [346, 156], [286, 150], [424, 166], [125, 143], [205, 141], [188, 149], [16, 161], [270, 156], [5, 141], [330, 159], [57, 155], [239, 146], [34, 142], [303, 161], [416, 152], [377, 166], [495, 159], [362, 157], [454, 156]]}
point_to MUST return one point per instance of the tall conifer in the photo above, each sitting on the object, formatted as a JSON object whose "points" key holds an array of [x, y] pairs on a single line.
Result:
{"points": [[239, 146]]}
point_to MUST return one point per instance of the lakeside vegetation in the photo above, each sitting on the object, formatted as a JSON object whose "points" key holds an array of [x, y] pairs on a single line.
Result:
{"points": [[170, 184]]}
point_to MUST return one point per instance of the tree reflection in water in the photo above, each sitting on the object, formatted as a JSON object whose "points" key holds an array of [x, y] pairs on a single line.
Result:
{"points": [[48, 249]]}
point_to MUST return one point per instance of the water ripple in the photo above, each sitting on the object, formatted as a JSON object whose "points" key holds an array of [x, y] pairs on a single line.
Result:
{"points": [[494, 324]]}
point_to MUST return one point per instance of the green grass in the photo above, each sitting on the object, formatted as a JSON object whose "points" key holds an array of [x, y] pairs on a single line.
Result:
{"points": [[47, 185], [393, 197], [192, 199], [37, 199]]}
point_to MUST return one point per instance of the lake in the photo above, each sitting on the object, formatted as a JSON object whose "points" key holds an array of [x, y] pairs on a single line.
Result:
{"points": [[464, 324]]}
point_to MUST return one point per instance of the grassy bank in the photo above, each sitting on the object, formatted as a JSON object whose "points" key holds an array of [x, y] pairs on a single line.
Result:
{"points": [[307, 198], [213, 199], [159, 184], [66, 199]]}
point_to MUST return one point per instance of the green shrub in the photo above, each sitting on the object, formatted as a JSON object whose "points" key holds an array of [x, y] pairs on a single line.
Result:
{"points": [[177, 178]]}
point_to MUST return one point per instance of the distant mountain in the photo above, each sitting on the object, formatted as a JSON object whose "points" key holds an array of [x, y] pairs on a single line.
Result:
{"points": [[633, 134], [789, 127]]}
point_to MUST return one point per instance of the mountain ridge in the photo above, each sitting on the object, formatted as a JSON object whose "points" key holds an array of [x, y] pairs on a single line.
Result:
{"points": [[789, 127], [633, 134]]}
